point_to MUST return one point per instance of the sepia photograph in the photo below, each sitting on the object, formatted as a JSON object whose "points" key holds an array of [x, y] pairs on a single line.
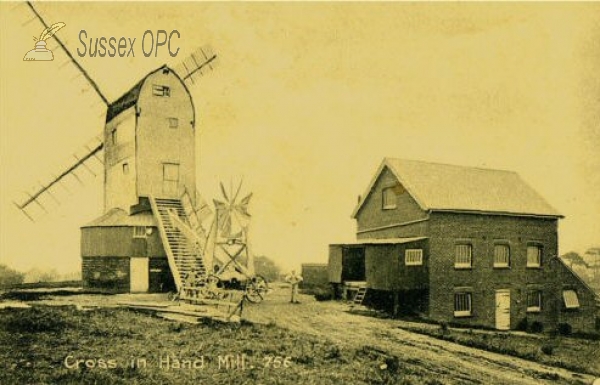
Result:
{"points": [[291, 192]]}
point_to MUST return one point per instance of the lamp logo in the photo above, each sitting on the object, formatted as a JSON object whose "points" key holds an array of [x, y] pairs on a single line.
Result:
{"points": [[40, 52]]}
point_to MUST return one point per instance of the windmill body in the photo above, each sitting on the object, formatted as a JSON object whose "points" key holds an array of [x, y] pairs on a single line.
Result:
{"points": [[149, 166], [149, 142]]}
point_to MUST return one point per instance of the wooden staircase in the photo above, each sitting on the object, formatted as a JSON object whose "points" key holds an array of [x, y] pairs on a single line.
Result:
{"points": [[359, 297], [184, 260]]}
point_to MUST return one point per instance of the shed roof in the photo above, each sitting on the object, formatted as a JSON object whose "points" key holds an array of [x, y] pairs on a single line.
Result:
{"points": [[119, 218], [444, 187], [381, 241]]}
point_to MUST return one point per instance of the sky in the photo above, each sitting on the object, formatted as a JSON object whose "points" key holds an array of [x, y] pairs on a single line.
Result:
{"points": [[305, 102]]}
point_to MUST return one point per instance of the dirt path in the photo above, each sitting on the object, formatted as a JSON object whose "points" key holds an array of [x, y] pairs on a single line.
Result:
{"points": [[451, 363]]}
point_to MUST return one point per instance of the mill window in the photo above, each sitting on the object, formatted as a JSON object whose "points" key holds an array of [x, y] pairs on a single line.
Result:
{"points": [[389, 198], [534, 256], [463, 256], [462, 304], [173, 122], [413, 257], [158, 90], [113, 136], [125, 168], [501, 256], [570, 299], [534, 301]]}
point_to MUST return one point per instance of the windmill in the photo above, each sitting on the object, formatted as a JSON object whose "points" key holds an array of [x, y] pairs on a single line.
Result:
{"points": [[228, 248], [147, 154]]}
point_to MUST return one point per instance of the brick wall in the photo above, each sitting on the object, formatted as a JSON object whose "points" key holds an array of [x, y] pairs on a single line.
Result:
{"points": [[106, 273], [483, 232]]}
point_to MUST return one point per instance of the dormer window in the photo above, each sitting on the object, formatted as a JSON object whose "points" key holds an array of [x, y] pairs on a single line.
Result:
{"points": [[158, 90], [389, 198]]}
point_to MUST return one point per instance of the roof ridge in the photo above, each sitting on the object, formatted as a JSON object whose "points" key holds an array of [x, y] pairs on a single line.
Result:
{"points": [[451, 165]]}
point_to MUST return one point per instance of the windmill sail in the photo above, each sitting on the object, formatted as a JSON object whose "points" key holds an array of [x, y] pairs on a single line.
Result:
{"points": [[195, 65], [85, 162]]}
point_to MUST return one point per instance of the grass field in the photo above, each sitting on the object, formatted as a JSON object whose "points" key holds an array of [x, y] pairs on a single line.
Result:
{"points": [[42, 345], [577, 354]]}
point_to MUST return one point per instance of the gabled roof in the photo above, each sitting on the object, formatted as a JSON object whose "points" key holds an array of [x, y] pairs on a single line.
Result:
{"points": [[443, 187], [119, 218]]}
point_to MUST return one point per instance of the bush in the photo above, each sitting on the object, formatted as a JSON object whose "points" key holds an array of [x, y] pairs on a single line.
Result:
{"points": [[598, 324], [36, 320], [564, 329], [547, 349], [523, 325], [536, 327]]}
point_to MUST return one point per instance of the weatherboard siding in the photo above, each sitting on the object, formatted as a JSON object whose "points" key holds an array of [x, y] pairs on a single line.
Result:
{"points": [[158, 143]]}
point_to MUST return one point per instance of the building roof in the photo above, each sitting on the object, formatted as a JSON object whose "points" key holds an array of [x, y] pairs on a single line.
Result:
{"points": [[130, 98], [119, 218], [381, 241], [444, 187]]}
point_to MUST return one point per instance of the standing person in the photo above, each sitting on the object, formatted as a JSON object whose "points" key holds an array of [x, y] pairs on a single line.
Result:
{"points": [[294, 280]]}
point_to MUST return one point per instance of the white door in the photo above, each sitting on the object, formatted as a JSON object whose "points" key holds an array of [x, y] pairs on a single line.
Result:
{"points": [[139, 276], [503, 309]]}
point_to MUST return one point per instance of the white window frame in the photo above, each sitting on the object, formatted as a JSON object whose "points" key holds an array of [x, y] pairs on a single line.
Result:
{"points": [[160, 90], [459, 264], [570, 299], [540, 253], [389, 198], [538, 308], [503, 263], [413, 257], [467, 303], [139, 232]]}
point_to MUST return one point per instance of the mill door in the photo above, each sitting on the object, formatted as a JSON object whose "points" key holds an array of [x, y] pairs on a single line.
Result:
{"points": [[503, 309], [139, 275]]}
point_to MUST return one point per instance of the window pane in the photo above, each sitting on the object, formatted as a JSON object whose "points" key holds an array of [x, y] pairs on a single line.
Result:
{"points": [[413, 257], [571, 299], [534, 256], [534, 300], [389, 198], [501, 255], [462, 255], [173, 122], [462, 304], [171, 172]]}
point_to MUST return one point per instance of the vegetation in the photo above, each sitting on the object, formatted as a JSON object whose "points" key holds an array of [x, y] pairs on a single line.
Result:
{"points": [[10, 277], [43, 345], [575, 354], [267, 268]]}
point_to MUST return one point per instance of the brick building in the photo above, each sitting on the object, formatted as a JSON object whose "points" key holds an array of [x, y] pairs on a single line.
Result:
{"points": [[461, 245]]}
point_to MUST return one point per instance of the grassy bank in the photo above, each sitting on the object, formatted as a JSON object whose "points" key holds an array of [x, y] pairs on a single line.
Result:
{"points": [[576, 354], [41, 345]]}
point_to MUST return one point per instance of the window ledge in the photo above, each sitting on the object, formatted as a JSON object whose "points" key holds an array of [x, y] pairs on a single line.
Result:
{"points": [[504, 267], [463, 267], [534, 310], [462, 314]]}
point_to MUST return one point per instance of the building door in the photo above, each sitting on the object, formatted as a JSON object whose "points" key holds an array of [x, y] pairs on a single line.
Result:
{"points": [[503, 309], [139, 275], [170, 180]]}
